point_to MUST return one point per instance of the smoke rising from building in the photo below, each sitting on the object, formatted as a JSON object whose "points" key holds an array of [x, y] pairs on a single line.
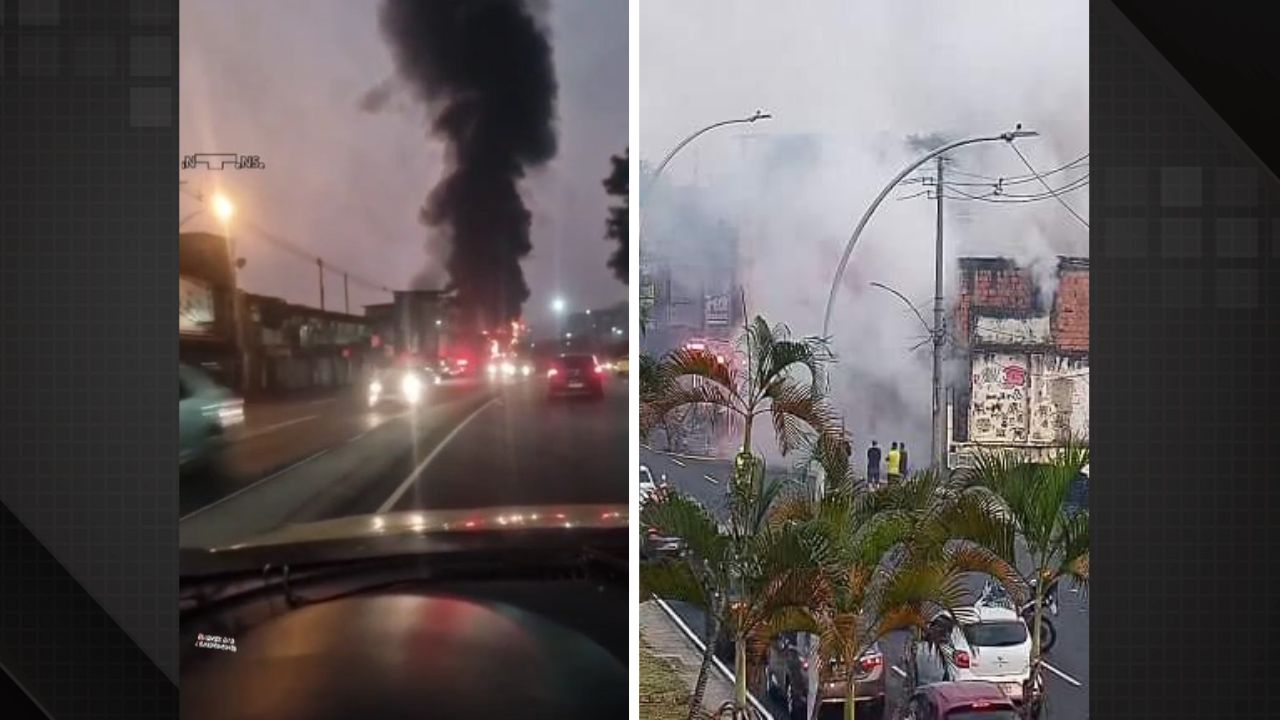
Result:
{"points": [[881, 89], [484, 70]]}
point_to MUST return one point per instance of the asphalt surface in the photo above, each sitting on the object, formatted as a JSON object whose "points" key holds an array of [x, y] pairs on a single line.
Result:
{"points": [[1068, 663], [472, 443]]}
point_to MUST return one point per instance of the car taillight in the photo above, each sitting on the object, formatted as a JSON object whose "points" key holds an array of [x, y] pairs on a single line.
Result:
{"points": [[599, 370], [552, 372], [870, 662], [979, 705], [962, 659]]}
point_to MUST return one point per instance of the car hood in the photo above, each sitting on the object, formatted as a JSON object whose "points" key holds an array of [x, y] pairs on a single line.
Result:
{"points": [[425, 532], [425, 522]]}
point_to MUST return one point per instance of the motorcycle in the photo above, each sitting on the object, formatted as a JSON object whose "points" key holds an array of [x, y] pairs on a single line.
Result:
{"points": [[993, 593]]}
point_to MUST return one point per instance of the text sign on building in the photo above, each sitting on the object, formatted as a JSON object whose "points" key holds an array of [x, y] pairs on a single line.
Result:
{"points": [[717, 309]]}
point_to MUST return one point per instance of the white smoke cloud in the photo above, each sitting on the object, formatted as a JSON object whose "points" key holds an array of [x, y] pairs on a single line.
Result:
{"points": [[851, 84]]}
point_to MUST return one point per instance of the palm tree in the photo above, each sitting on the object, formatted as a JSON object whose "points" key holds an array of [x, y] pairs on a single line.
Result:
{"points": [[1035, 500], [776, 376], [899, 556], [745, 572]]}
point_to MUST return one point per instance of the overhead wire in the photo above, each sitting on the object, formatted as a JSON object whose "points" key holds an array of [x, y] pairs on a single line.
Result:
{"points": [[298, 251], [1064, 204]]}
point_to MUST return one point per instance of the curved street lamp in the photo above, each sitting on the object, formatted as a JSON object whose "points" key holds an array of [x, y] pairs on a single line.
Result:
{"points": [[757, 115], [857, 231], [653, 179], [938, 333]]}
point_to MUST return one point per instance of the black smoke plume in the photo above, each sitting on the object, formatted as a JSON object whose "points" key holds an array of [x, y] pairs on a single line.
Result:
{"points": [[484, 69]]}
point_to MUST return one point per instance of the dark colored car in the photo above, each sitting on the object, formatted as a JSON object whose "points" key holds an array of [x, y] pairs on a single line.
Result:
{"points": [[788, 671], [575, 374], [964, 700]]}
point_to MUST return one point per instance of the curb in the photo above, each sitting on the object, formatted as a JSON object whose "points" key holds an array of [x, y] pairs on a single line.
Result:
{"points": [[715, 661]]}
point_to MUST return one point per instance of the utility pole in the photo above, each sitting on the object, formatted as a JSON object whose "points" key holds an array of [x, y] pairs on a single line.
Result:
{"points": [[346, 296], [939, 337], [320, 267]]}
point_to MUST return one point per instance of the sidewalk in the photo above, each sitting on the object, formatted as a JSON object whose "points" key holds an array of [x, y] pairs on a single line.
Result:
{"points": [[669, 645]]}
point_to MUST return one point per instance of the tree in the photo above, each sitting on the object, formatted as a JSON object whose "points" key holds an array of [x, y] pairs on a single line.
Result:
{"points": [[617, 225], [897, 557], [1034, 499], [750, 576], [772, 375]]}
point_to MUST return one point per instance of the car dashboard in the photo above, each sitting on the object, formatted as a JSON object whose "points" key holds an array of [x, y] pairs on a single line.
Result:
{"points": [[378, 645]]}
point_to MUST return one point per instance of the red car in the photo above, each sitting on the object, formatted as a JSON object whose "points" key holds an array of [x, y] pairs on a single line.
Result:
{"points": [[575, 374], [962, 700]]}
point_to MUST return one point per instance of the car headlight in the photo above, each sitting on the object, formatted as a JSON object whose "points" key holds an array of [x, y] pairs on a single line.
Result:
{"points": [[411, 386], [526, 370], [508, 369], [375, 388]]}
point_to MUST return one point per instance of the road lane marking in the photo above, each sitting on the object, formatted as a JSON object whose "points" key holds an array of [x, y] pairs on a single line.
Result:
{"points": [[1061, 674], [711, 480], [272, 428], [413, 476], [676, 461], [322, 401], [900, 671], [255, 484]]}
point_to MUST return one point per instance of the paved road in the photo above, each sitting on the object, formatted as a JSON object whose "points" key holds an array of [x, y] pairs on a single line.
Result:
{"points": [[472, 444], [1068, 687]]}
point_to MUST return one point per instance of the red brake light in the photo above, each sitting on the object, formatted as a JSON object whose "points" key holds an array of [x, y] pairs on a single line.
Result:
{"points": [[804, 663], [962, 659], [980, 704], [871, 662], [552, 372], [599, 370], [462, 362]]}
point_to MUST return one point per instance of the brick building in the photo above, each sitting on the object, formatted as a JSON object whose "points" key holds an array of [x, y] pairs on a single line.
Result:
{"points": [[1026, 358]]}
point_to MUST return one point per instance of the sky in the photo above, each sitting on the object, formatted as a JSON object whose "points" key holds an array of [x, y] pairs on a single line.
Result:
{"points": [[283, 80], [849, 83]]}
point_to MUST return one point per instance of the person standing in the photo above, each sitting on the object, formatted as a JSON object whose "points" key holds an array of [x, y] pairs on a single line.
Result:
{"points": [[873, 465], [902, 459], [894, 462]]}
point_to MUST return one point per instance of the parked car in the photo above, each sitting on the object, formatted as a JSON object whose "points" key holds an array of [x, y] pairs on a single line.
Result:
{"points": [[789, 675], [963, 700], [206, 412], [990, 644]]}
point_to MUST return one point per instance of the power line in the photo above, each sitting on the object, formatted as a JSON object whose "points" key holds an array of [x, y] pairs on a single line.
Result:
{"points": [[1020, 179], [995, 196], [998, 198], [299, 251], [1071, 210]]}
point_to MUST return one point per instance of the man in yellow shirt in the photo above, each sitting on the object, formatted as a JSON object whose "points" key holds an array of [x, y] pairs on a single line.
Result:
{"points": [[894, 461]]}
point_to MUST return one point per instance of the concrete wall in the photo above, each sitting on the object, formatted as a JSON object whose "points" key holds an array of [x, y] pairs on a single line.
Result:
{"points": [[1028, 398]]}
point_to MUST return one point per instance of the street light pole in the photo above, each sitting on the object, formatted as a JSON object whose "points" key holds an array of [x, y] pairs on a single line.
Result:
{"points": [[938, 430], [653, 179], [862, 223], [939, 435]]}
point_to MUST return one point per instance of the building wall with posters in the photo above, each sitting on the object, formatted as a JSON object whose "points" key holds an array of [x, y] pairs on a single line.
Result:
{"points": [[1026, 354]]}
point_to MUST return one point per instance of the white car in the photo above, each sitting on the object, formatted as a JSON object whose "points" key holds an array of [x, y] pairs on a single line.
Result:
{"points": [[990, 644], [647, 486]]}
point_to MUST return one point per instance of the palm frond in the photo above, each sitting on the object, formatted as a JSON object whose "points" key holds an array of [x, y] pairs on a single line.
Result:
{"points": [[672, 580], [799, 413]]}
